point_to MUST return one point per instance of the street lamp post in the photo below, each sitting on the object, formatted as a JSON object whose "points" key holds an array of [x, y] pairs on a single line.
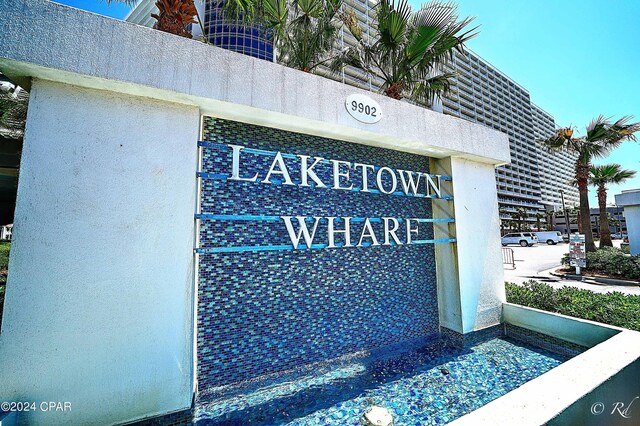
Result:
{"points": [[566, 213]]}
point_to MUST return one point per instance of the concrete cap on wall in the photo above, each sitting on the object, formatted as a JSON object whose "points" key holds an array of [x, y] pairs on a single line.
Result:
{"points": [[630, 197]]}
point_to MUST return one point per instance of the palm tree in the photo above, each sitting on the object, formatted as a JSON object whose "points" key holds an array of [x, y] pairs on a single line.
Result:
{"points": [[575, 217], [13, 111], [502, 211], [550, 219], [600, 177], [409, 50], [304, 31], [523, 216], [601, 137], [519, 216], [174, 16], [613, 221], [539, 216]]}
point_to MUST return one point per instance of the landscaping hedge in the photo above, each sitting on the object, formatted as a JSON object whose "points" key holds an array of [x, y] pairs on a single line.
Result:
{"points": [[612, 308], [613, 262]]}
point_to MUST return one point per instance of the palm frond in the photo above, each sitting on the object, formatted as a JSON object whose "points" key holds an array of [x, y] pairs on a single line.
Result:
{"points": [[559, 141], [597, 129], [243, 11], [350, 21], [603, 175], [622, 130], [430, 23], [276, 15], [393, 21], [430, 89]]}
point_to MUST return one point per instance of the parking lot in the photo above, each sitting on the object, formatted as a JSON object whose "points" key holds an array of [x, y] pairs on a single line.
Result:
{"points": [[537, 261]]}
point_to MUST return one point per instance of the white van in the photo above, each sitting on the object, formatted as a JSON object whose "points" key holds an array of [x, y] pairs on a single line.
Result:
{"points": [[549, 237]]}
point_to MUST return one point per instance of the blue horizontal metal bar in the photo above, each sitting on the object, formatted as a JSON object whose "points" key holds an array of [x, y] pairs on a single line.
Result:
{"points": [[237, 217], [212, 175], [240, 249], [208, 144], [208, 216], [440, 240], [206, 175]]}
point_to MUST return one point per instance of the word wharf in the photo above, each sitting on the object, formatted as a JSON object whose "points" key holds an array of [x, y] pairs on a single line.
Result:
{"points": [[411, 182], [367, 236]]}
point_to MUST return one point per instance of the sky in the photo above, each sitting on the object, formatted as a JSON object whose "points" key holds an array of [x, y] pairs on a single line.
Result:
{"points": [[577, 58]]}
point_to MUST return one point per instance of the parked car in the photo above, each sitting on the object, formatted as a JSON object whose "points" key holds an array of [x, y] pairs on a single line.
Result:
{"points": [[619, 236], [549, 237], [524, 239]]}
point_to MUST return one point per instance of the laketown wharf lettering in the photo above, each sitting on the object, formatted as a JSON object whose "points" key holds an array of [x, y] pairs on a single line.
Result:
{"points": [[371, 179], [411, 182]]}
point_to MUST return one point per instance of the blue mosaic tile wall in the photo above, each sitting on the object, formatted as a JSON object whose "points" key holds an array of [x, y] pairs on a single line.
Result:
{"points": [[270, 311]]}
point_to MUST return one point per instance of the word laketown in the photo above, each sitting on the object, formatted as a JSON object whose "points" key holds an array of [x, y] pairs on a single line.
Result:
{"points": [[417, 184], [304, 171]]}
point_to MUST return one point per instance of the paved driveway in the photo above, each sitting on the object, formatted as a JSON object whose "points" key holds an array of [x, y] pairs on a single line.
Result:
{"points": [[536, 262]]}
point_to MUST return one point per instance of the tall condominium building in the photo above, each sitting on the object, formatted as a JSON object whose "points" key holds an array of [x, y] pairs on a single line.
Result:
{"points": [[481, 93], [141, 13], [557, 168]]}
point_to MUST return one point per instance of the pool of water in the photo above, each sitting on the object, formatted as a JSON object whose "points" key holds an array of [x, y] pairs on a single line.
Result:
{"points": [[430, 385]]}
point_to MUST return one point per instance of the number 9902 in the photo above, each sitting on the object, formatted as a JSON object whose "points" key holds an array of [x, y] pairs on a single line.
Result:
{"points": [[363, 109]]}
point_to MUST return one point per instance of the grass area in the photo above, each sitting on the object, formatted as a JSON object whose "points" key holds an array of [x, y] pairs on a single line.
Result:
{"points": [[5, 246], [614, 308]]}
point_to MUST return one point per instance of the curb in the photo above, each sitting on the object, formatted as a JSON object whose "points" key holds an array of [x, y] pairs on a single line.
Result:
{"points": [[615, 281], [595, 280]]}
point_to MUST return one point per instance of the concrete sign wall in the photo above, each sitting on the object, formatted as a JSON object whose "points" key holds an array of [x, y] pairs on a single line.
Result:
{"points": [[101, 298], [264, 306]]}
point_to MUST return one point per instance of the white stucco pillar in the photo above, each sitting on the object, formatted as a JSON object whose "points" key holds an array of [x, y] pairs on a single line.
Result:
{"points": [[99, 302], [470, 271], [630, 200]]}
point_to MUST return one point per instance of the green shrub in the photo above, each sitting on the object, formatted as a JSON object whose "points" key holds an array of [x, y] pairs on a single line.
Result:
{"points": [[614, 308], [611, 261], [5, 246]]}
